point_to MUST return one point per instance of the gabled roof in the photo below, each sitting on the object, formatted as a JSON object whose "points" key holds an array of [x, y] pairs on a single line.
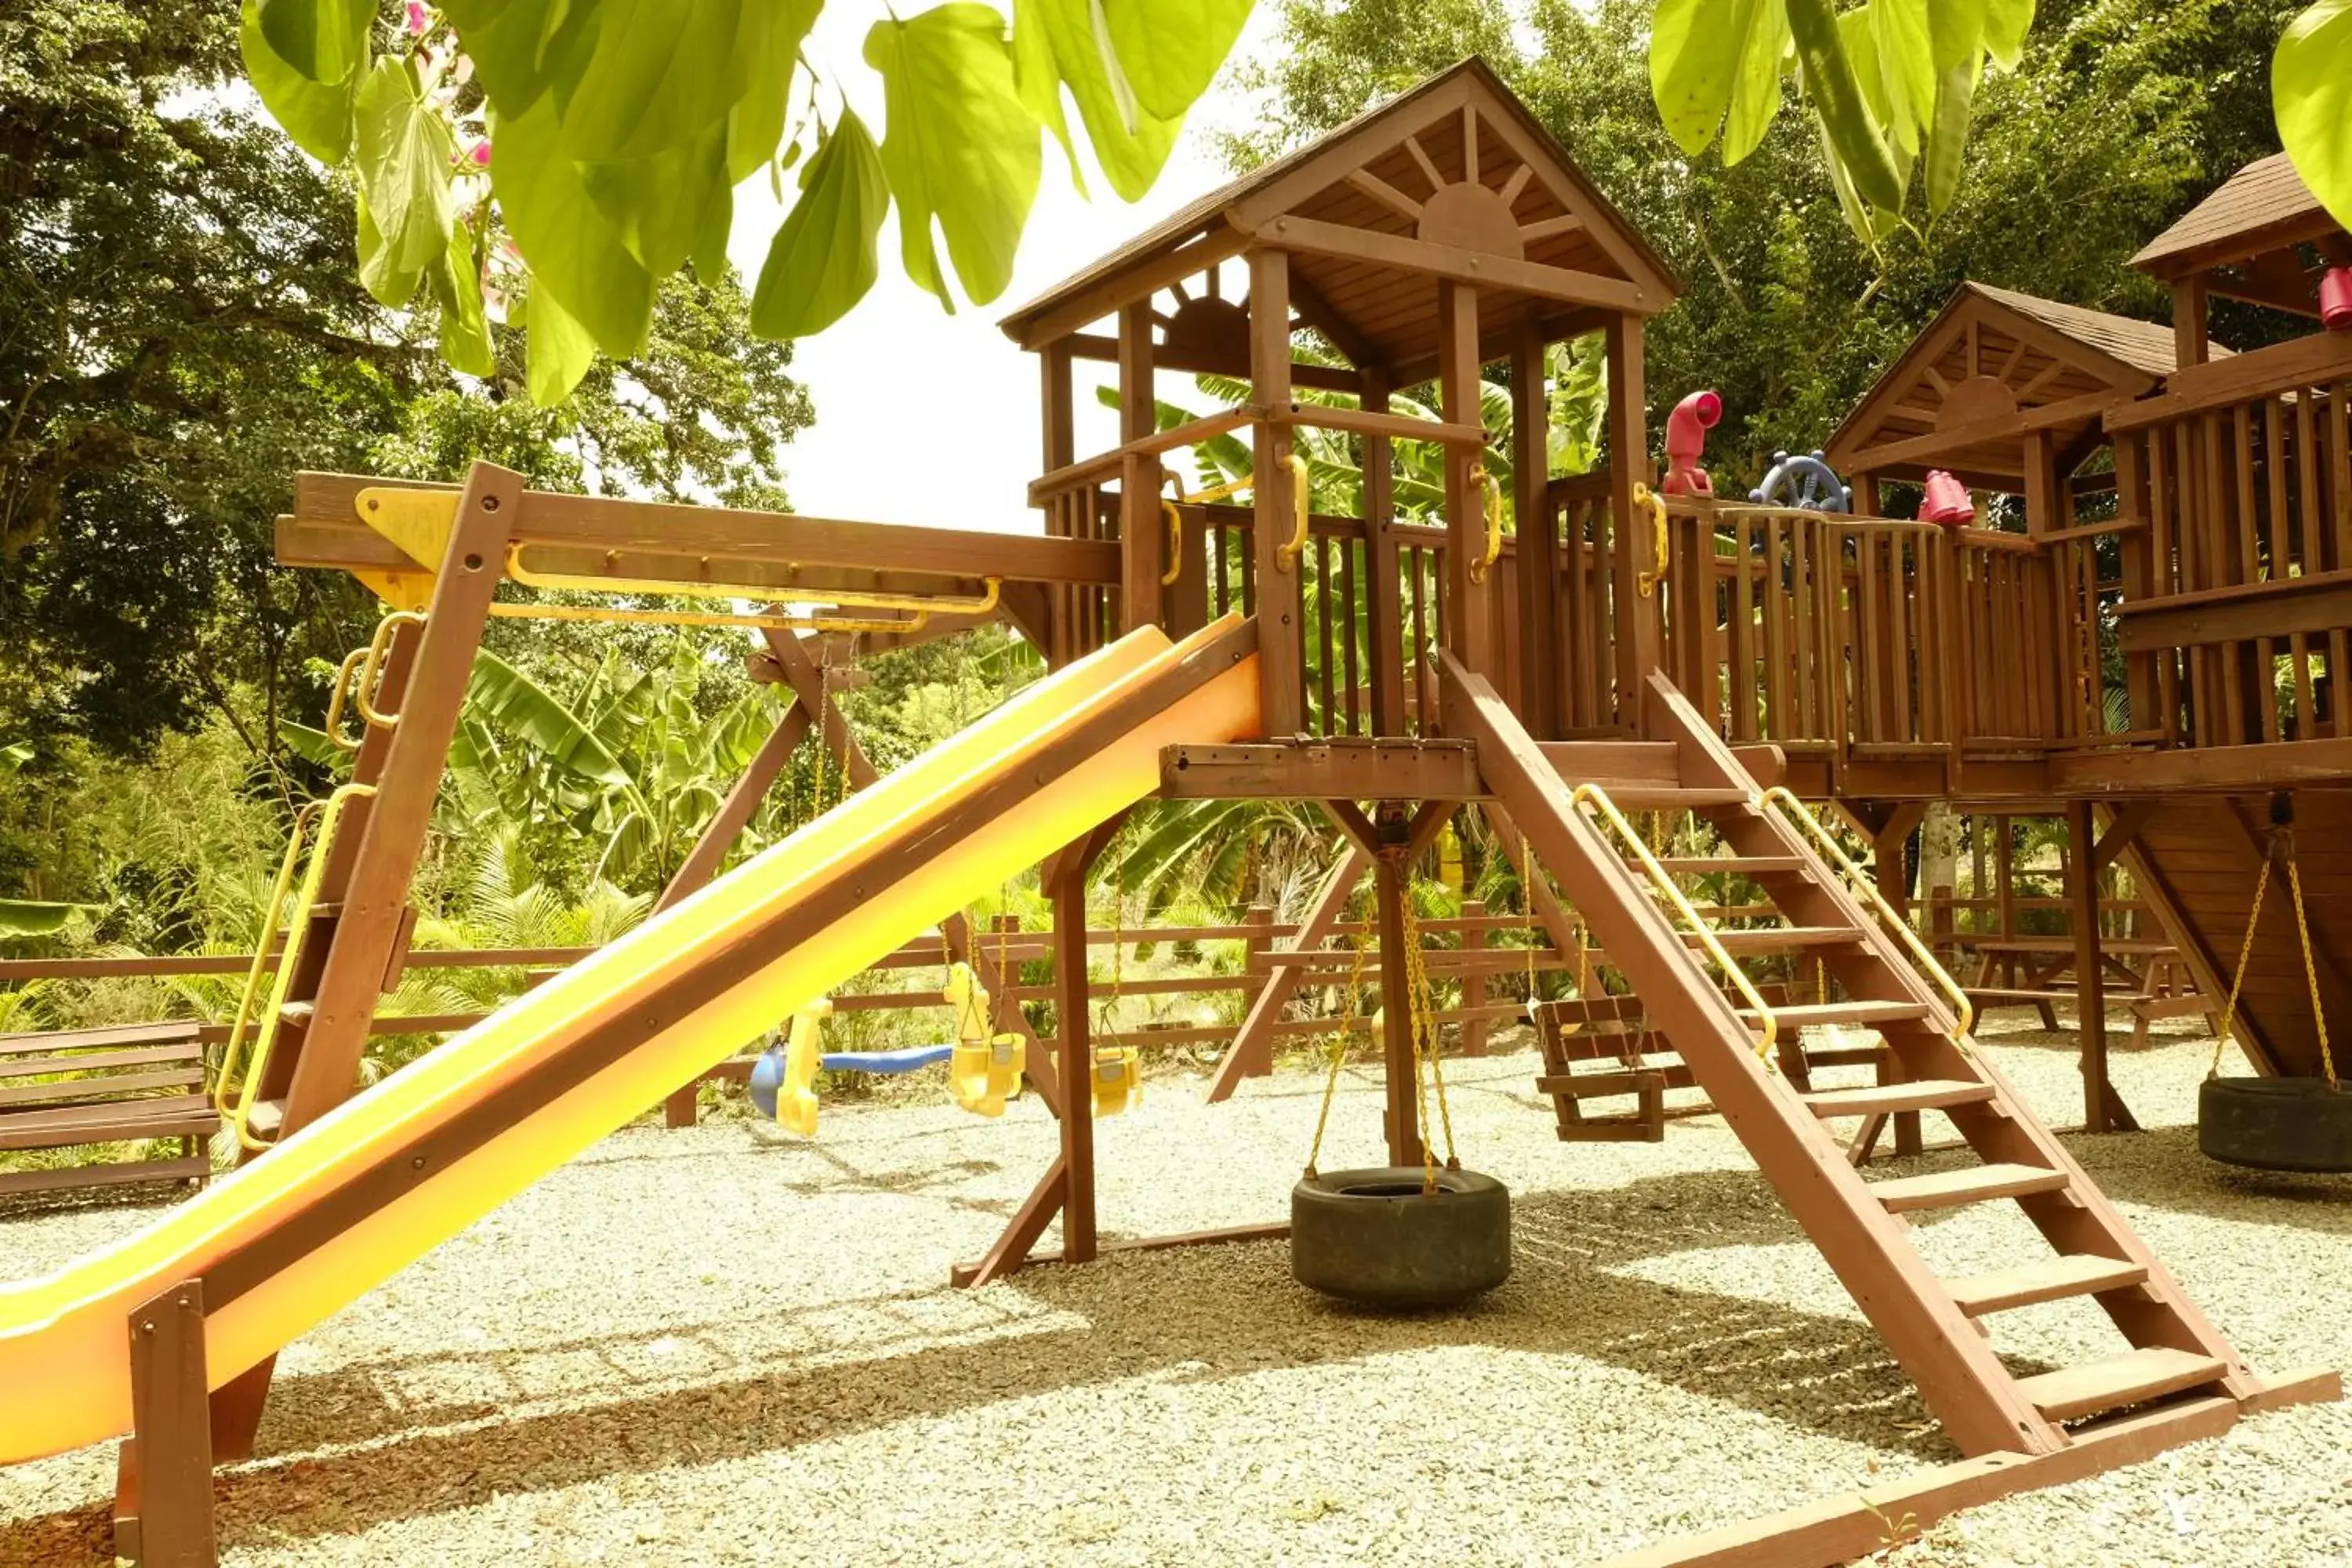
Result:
{"points": [[1992, 365], [1388, 174], [2248, 214]]}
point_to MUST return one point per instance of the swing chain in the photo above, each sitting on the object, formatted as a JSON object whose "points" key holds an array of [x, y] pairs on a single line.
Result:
{"points": [[1353, 1009], [1424, 1046]]}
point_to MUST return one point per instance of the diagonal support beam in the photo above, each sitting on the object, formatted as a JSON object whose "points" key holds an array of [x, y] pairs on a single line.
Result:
{"points": [[1252, 1052]]}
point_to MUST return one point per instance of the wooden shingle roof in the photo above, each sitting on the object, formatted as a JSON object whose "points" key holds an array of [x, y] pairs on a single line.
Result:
{"points": [[1457, 162], [2247, 214]]}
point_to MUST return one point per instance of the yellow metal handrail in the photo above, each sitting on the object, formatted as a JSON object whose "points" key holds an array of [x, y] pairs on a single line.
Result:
{"points": [[1494, 488], [368, 664], [1594, 795], [1645, 582], [1287, 556], [266, 1040], [1780, 796], [226, 1083]]}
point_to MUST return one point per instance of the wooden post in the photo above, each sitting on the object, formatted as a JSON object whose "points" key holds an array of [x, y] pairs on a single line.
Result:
{"points": [[393, 839], [1475, 940], [1868, 500], [1252, 1052], [1469, 613], [170, 1467], [1281, 608], [1068, 891], [1384, 632], [718, 834], [1539, 537], [1142, 532], [1629, 464], [1058, 432], [1401, 1119], [2139, 570], [2090, 983], [1258, 961], [2188, 330]]}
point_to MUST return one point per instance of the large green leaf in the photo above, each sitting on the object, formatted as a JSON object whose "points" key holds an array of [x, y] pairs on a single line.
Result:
{"points": [[1699, 55], [318, 115], [1132, 149], [663, 72], [1171, 50], [823, 260], [1854, 141], [1039, 81], [313, 746], [1957, 29], [668, 206], [2311, 93], [405, 154], [378, 274], [1755, 91], [511, 702], [1907, 68], [521, 48], [961, 147], [573, 251], [324, 40], [2005, 25], [457, 277], [1948, 137], [23, 917], [756, 123], [557, 349]]}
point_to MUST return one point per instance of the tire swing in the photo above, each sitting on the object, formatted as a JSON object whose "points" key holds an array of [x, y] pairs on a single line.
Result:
{"points": [[2299, 1124], [1400, 1237]]}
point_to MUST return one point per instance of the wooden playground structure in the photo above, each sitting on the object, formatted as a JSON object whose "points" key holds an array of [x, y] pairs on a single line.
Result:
{"points": [[1645, 696]]}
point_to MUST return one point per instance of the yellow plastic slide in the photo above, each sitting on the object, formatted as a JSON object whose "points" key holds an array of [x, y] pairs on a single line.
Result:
{"points": [[64, 1368]]}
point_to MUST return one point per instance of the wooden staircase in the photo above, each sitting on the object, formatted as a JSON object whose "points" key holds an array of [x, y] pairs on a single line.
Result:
{"points": [[1935, 1325]]}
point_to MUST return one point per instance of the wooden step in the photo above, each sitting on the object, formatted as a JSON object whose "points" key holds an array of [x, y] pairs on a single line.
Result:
{"points": [[1971, 1185], [1669, 797], [298, 1014], [1780, 939], [266, 1118], [1814, 1014], [2132, 1378], [1843, 1056], [2046, 1280], [1717, 864], [1877, 1099]]}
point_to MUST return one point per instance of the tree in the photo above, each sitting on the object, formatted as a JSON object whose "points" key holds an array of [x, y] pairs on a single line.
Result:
{"points": [[583, 152], [181, 329], [2120, 114]]}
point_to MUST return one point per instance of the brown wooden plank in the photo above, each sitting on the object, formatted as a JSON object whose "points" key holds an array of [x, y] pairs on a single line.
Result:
{"points": [[171, 1423], [71, 1178]]}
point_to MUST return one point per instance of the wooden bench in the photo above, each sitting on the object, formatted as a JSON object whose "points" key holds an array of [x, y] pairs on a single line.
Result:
{"points": [[137, 1083]]}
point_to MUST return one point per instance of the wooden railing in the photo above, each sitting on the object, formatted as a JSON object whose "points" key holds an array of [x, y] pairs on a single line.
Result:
{"points": [[2237, 485]]}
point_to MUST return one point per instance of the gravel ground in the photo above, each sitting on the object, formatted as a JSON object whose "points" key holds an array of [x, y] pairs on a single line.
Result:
{"points": [[709, 1347]]}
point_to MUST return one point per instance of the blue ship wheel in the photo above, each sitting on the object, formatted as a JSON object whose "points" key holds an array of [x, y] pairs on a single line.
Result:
{"points": [[1804, 482]]}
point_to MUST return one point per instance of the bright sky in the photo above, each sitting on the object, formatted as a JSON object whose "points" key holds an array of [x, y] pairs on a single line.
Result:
{"points": [[924, 417]]}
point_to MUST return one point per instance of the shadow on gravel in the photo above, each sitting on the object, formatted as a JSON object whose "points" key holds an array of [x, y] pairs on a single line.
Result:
{"points": [[2163, 1169], [433, 1433]]}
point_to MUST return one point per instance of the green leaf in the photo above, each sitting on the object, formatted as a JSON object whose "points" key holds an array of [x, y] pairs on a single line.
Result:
{"points": [[557, 351], [318, 117], [14, 758], [2311, 91], [1756, 92], [573, 253], [312, 746], [404, 153], [378, 275], [1907, 68], [823, 260], [2006, 24], [1129, 152], [324, 40], [1171, 50], [756, 125], [663, 72], [1699, 58], [1956, 29], [22, 917], [457, 277], [1039, 83], [521, 48], [1948, 139], [662, 207], [511, 702], [961, 146], [1854, 143]]}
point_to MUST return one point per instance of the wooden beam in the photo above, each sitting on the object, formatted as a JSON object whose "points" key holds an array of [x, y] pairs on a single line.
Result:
{"points": [[2273, 607], [2003, 430], [2124, 826], [2276, 764], [172, 1431], [1637, 620], [1252, 1051], [1455, 264], [1383, 636], [1143, 541], [1129, 284], [1198, 360], [1351, 820], [1281, 605], [1539, 651]]}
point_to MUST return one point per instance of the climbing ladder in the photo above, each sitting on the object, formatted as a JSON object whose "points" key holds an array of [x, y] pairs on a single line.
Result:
{"points": [[1726, 1033]]}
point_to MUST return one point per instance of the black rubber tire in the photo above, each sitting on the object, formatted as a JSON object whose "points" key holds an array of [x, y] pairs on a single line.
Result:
{"points": [[1373, 1237], [2276, 1123]]}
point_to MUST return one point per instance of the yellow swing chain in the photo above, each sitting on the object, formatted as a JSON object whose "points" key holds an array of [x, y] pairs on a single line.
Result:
{"points": [[2310, 970], [1352, 1010], [2245, 951], [1424, 1048]]}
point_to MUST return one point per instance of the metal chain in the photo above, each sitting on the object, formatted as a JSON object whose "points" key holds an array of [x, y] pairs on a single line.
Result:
{"points": [[1339, 1038]]}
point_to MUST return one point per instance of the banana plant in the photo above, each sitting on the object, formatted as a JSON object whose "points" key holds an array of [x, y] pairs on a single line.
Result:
{"points": [[28, 917]]}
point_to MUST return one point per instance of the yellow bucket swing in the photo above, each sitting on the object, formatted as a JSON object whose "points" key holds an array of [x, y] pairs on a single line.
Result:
{"points": [[1117, 1078], [984, 1067]]}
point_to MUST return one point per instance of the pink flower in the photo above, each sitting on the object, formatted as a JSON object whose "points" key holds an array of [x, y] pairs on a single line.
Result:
{"points": [[481, 154], [418, 17]]}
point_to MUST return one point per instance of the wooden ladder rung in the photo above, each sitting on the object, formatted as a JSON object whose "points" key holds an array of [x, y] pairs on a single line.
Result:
{"points": [[1971, 1185], [1670, 797], [266, 1118], [1821, 1012], [2131, 1378], [2044, 1279], [1874, 1100], [1717, 864], [298, 1014], [1780, 939]]}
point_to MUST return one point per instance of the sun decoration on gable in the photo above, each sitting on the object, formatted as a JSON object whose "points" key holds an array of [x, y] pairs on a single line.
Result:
{"points": [[1464, 212]]}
